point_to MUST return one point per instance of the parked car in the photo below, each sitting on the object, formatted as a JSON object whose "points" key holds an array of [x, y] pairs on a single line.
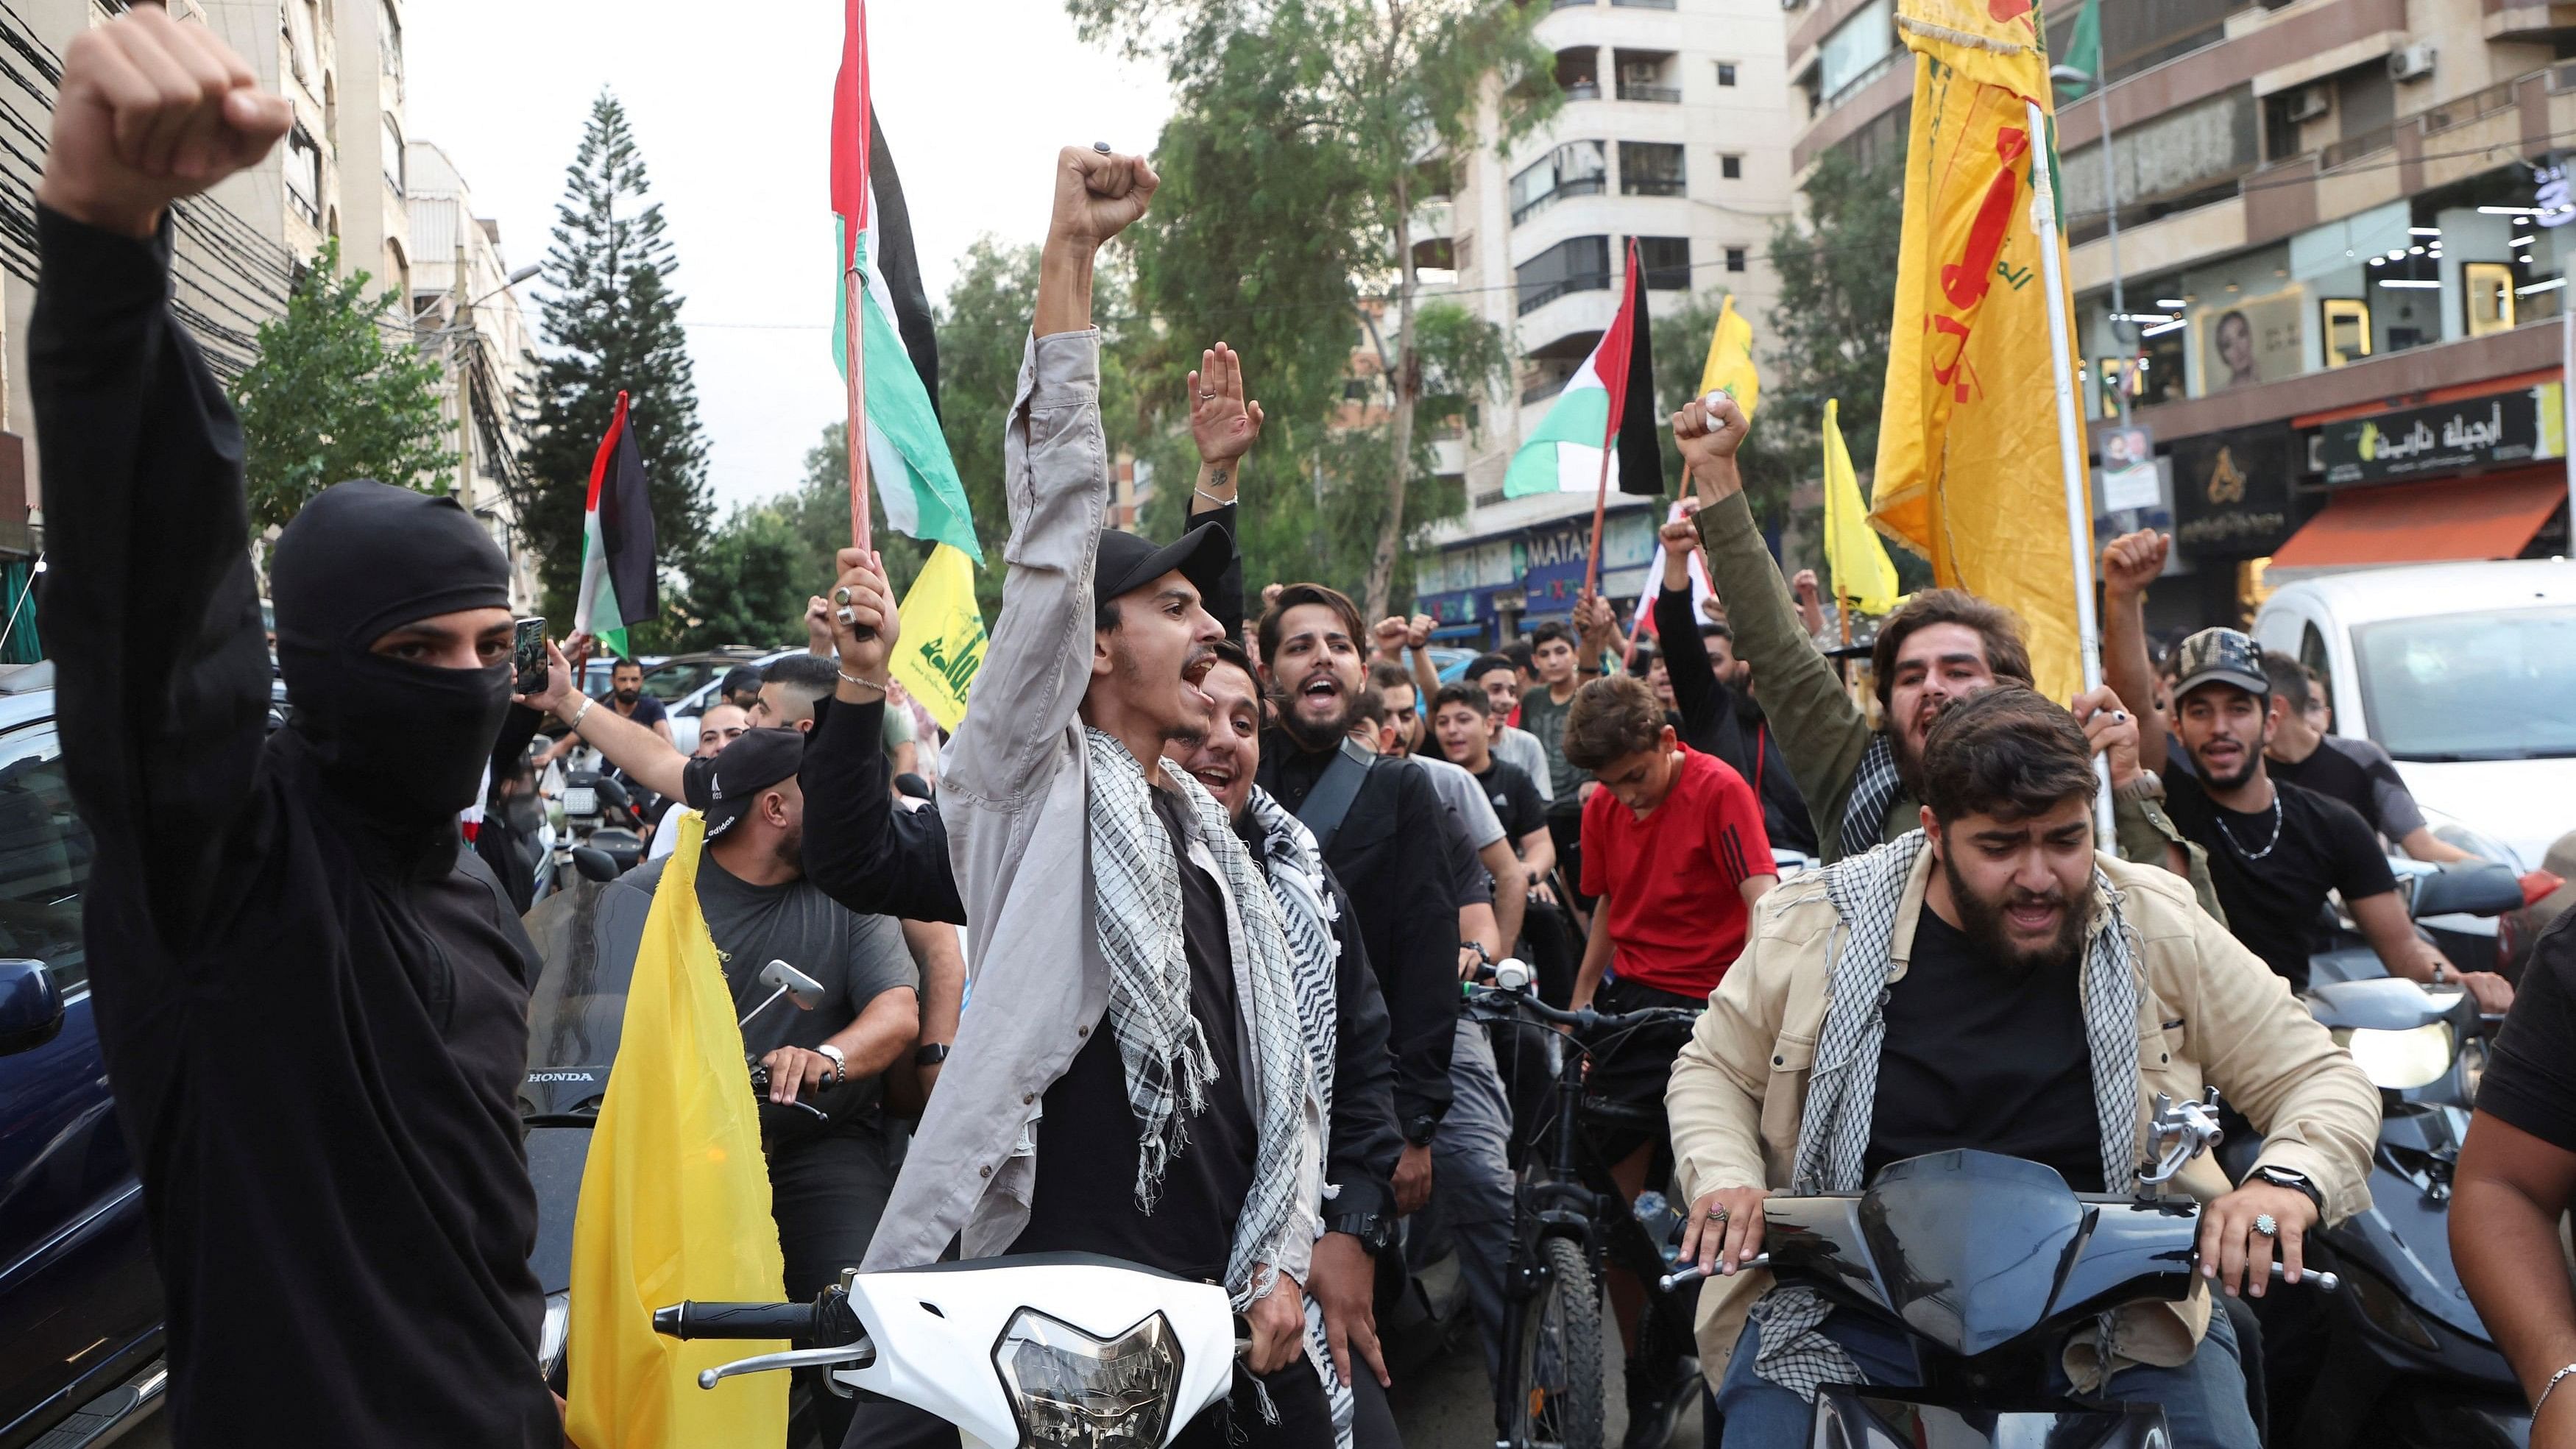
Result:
{"points": [[80, 1302], [2465, 673]]}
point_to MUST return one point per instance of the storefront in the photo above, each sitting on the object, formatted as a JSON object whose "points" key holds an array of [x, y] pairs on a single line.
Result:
{"points": [[2234, 499], [1485, 590], [2479, 474]]}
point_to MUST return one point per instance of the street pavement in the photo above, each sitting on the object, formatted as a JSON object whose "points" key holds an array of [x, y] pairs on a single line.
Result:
{"points": [[1448, 1404]]}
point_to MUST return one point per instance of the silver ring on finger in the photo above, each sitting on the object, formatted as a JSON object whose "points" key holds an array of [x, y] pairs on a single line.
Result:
{"points": [[2266, 1226], [841, 595], [1717, 1214], [845, 615]]}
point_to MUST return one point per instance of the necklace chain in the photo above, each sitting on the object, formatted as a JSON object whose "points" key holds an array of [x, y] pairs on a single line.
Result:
{"points": [[2254, 855]]}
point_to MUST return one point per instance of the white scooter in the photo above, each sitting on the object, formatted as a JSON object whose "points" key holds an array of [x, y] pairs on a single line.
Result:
{"points": [[1048, 1349]]}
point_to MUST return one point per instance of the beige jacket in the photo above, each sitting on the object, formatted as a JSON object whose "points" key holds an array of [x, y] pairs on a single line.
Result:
{"points": [[2209, 1012]]}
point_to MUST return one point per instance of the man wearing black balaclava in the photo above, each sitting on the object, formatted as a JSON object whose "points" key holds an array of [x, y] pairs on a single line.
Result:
{"points": [[311, 1000]]}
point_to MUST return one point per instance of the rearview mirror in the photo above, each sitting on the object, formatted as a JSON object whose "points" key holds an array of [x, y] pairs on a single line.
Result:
{"points": [[802, 989], [31, 1006], [594, 864]]}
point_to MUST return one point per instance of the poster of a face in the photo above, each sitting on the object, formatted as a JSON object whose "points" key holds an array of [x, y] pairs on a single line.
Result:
{"points": [[2250, 340]]}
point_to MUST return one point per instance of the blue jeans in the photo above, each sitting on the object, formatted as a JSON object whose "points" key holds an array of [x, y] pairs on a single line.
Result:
{"points": [[2203, 1400]]}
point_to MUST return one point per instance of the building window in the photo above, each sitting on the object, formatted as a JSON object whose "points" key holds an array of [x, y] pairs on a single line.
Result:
{"points": [[389, 41], [304, 175], [1665, 261], [1731, 167], [1576, 264], [1726, 72], [1735, 259], [1577, 168], [1650, 168], [394, 170]]}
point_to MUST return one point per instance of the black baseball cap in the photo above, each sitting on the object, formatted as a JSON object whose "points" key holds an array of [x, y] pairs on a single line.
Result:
{"points": [[722, 787], [2221, 656], [1131, 561], [741, 679]]}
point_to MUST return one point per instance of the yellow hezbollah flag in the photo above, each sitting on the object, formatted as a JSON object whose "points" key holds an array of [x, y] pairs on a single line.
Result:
{"points": [[1968, 471], [1730, 360], [942, 636], [1861, 571], [674, 1202]]}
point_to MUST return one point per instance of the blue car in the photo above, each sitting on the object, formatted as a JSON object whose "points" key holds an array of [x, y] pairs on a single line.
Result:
{"points": [[80, 1303]]}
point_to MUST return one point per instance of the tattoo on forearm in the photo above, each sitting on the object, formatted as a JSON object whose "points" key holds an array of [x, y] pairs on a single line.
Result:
{"points": [[1219, 477]]}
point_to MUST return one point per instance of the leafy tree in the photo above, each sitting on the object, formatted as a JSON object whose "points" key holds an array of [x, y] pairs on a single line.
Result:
{"points": [[329, 397], [1837, 294], [751, 580], [1292, 172], [614, 325]]}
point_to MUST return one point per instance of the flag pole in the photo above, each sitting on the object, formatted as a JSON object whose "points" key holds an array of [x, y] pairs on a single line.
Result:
{"points": [[2070, 453], [853, 356], [1609, 440]]}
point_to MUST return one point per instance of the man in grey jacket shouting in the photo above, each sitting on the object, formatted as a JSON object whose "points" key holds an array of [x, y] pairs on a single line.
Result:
{"points": [[1130, 1079]]}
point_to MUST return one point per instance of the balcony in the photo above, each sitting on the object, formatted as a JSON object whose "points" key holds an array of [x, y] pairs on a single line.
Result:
{"points": [[1583, 91], [1644, 4], [1657, 95], [1576, 186], [1539, 295], [1651, 186]]}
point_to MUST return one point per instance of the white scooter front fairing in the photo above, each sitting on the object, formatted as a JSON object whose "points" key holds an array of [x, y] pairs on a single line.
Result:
{"points": [[1039, 1351]]}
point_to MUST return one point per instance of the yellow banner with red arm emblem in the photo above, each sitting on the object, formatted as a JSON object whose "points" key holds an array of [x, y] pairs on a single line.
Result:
{"points": [[1968, 466]]}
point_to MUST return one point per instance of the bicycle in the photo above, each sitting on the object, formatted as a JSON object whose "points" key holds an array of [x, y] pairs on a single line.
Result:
{"points": [[1570, 1221]]}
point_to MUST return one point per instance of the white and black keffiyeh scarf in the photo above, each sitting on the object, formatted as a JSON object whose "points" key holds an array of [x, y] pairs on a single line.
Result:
{"points": [[1306, 912], [1136, 888], [1874, 787], [1868, 891]]}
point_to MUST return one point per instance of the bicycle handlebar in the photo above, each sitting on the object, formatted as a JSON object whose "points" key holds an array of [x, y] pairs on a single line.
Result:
{"points": [[1585, 1019]]}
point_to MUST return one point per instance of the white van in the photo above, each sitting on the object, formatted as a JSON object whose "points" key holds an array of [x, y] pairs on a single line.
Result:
{"points": [[2464, 672]]}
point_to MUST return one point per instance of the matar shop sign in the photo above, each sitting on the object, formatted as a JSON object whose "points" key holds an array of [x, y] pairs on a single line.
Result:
{"points": [[2426, 442]]}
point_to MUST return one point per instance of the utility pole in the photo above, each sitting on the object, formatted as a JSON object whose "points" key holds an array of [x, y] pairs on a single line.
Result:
{"points": [[460, 322], [2122, 329]]}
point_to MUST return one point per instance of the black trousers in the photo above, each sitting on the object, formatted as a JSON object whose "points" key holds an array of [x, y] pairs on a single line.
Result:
{"points": [[1305, 1419], [826, 1193]]}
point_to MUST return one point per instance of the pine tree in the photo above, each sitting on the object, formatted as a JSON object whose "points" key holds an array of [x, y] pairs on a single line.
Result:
{"points": [[613, 324], [331, 397]]}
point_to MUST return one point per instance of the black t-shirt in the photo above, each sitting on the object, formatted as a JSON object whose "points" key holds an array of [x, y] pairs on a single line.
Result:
{"points": [[1084, 1199], [2274, 889], [2530, 1081], [1978, 1058], [648, 710], [2361, 775], [1515, 797]]}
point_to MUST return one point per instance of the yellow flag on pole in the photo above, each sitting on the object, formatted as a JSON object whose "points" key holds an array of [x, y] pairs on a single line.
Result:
{"points": [[1730, 360], [1968, 463], [674, 1201], [943, 636], [1862, 574]]}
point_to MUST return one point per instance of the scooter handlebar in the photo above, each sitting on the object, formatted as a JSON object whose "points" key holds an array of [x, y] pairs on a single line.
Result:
{"points": [[2320, 1279], [826, 1320]]}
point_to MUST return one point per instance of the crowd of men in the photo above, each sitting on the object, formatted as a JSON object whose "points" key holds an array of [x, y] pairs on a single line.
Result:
{"points": [[1220, 877]]}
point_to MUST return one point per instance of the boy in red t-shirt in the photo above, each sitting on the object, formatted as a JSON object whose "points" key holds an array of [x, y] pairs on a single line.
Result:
{"points": [[1674, 847]]}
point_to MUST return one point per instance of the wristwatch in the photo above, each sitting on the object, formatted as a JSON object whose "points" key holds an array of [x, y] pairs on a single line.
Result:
{"points": [[2297, 1181], [930, 1054], [1373, 1231], [1419, 1131], [840, 1063], [2147, 785]]}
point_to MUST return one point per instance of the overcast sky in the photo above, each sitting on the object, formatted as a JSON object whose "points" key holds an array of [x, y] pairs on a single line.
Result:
{"points": [[733, 120]]}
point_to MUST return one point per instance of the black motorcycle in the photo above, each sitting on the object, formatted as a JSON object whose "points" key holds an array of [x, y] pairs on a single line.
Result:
{"points": [[1988, 1264], [2403, 1359]]}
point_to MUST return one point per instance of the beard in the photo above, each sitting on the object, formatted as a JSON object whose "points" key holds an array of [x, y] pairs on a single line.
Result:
{"points": [[2244, 775], [629, 696], [1312, 735], [791, 847], [1982, 921]]}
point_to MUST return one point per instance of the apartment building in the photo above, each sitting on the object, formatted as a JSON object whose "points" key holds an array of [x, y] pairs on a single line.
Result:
{"points": [[1675, 131], [467, 308], [238, 248], [2342, 254]]}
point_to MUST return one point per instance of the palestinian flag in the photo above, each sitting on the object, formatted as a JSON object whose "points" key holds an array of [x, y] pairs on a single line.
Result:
{"points": [[1611, 396], [898, 353], [617, 577]]}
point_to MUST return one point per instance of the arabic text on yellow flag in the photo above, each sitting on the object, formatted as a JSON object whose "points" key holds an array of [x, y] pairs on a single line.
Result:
{"points": [[1860, 569], [1968, 471], [1730, 360], [943, 636], [674, 1201]]}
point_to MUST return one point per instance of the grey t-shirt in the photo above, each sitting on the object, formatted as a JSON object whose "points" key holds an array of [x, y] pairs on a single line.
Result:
{"points": [[855, 957], [1545, 718], [1519, 747], [1473, 825]]}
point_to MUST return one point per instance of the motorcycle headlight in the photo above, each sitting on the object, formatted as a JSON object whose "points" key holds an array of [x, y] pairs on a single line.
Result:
{"points": [[2399, 1060], [1070, 1388], [550, 1333]]}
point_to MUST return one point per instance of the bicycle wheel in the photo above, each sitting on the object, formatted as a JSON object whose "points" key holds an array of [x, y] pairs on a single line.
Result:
{"points": [[1556, 1396]]}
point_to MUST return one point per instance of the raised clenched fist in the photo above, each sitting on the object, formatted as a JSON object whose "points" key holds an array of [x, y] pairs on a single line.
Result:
{"points": [[151, 109], [2133, 560], [1098, 194]]}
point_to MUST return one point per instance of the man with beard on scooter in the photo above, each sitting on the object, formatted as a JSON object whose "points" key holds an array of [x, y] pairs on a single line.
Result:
{"points": [[311, 1000], [1990, 981]]}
